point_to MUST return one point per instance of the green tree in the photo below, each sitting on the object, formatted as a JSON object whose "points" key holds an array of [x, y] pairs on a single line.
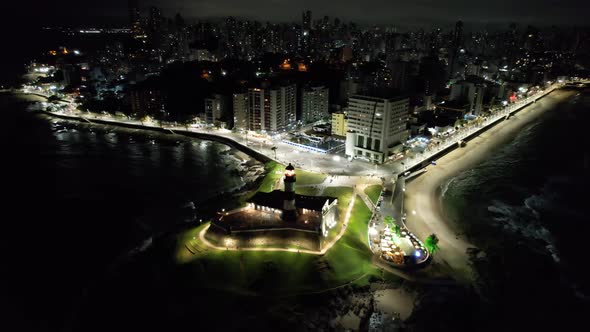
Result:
{"points": [[431, 243], [389, 221], [397, 230]]}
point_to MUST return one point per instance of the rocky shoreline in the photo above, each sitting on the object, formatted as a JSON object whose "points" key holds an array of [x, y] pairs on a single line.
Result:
{"points": [[251, 171]]}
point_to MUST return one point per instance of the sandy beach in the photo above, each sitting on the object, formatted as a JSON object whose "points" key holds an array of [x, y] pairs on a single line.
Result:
{"points": [[423, 193]]}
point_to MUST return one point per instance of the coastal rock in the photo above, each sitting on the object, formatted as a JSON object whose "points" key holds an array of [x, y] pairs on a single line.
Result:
{"points": [[472, 252]]}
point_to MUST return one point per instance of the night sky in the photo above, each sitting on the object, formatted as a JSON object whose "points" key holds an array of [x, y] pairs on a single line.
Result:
{"points": [[407, 12]]}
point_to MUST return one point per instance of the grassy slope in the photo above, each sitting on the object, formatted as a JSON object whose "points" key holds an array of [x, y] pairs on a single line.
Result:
{"points": [[373, 192]]}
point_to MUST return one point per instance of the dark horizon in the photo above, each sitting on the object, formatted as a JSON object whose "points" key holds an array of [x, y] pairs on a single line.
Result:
{"points": [[417, 14]]}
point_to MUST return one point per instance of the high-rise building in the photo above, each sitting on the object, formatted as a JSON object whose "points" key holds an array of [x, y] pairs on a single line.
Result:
{"points": [[457, 43], [240, 106], [306, 20], [339, 124], [216, 109], [376, 126], [71, 74], [147, 99], [272, 108], [458, 34], [134, 17], [469, 92], [314, 103], [399, 74], [305, 35], [155, 28]]}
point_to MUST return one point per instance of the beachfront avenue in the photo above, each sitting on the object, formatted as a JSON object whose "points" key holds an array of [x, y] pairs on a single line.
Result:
{"points": [[391, 175], [274, 147]]}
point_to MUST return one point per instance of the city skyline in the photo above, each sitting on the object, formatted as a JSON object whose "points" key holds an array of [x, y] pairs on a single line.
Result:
{"points": [[409, 14]]}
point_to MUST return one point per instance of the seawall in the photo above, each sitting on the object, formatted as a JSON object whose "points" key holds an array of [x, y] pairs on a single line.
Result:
{"points": [[204, 136]]}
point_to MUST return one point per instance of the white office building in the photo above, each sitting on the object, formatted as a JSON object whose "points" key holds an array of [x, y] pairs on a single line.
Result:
{"points": [[376, 127]]}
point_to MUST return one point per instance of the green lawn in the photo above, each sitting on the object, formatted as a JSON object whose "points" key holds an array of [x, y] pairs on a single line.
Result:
{"points": [[309, 191], [305, 177], [351, 257], [344, 194], [283, 272], [373, 192], [274, 172]]}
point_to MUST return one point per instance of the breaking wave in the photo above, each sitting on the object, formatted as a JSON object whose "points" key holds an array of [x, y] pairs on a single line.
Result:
{"points": [[524, 220]]}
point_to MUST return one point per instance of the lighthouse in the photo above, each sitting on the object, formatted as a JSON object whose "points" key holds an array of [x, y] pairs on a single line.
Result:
{"points": [[289, 211]]}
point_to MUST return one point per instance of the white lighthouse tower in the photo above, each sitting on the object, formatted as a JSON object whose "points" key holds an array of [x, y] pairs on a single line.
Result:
{"points": [[289, 210]]}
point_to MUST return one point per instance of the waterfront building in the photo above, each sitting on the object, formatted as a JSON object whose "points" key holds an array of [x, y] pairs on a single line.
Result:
{"points": [[216, 110], [147, 99], [376, 126], [240, 107], [272, 108], [471, 92]]}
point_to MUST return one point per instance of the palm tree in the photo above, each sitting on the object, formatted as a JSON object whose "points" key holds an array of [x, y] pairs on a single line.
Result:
{"points": [[274, 148], [431, 243]]}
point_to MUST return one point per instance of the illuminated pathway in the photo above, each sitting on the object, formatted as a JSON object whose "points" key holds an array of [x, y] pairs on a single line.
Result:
{"points": [[305, 251]]}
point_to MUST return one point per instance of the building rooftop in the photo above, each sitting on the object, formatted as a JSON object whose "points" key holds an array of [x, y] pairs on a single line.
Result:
{"points": [[454, 104], [249, 218], [275, 200], [378, 97]]}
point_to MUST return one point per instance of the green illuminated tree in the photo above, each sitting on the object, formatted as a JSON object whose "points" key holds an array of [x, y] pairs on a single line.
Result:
{"points": [[397, 230], [389, 221], [431, 243]]}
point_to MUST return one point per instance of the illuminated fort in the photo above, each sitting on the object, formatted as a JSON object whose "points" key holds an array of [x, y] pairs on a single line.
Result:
{"points": [[281, 218]]}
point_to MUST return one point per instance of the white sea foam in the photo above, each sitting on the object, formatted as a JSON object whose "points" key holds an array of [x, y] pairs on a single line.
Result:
{"points": [[524, 219], [445, 186]]}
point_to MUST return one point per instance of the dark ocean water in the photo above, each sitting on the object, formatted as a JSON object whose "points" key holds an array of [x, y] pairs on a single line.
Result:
{"points": [[528, 207], [77, 198]]}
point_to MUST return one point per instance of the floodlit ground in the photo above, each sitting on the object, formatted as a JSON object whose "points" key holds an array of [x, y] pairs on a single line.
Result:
{"points": [[347, 262]]}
